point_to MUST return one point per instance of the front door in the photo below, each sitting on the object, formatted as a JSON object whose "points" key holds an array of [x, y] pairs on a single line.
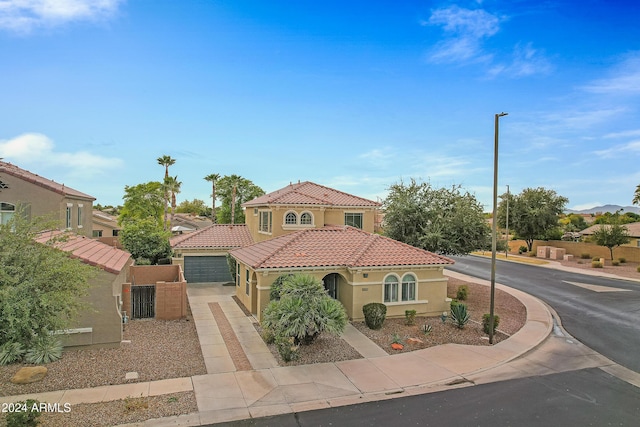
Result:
{"points": [[331, 284]]}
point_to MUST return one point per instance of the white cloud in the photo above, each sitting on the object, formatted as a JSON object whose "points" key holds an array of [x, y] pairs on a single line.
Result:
{"points": [[526, 61], [38, 149], [624, 78], [22, 16], [466, 29], [623, 134], [619, 150]]}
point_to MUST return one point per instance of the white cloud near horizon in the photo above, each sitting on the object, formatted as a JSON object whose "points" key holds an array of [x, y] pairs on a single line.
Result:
{"points": [[620, 150], [623, 79], [38, 149], [22, 16]]}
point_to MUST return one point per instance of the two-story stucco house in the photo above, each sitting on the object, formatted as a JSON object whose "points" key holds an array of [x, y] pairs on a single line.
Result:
{"points": [[312, 229], [35, 196]]}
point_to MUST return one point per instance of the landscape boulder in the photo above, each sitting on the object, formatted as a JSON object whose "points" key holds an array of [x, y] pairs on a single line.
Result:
{"points": [[28, 375]]}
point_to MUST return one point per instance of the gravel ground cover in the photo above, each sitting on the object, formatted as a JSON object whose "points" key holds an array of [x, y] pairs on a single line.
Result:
{"points": [[122, 411], [628, 269], [513, 316]]}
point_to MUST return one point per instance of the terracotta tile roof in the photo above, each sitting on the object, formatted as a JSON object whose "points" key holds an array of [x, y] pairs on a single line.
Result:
{"points": [[89, 251], [13, 170], [334, 246], [214, 236], [309, 193]]}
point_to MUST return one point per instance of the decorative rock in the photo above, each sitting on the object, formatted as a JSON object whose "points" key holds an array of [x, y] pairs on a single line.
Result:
{"points": [[415, 340], [397, 346], [28, 375], [131, 376]]}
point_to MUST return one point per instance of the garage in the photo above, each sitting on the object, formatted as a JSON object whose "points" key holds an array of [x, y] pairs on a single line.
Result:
{"points": [[206, 269]]}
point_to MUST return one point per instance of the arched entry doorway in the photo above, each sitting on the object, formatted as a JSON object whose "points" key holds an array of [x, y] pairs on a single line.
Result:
{"points": [[330, 282]]}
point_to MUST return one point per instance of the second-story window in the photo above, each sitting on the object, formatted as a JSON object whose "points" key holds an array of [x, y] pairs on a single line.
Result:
{"points": [[68, 221], [306, 219], [353, 219], [291, 218], [265, 222]]}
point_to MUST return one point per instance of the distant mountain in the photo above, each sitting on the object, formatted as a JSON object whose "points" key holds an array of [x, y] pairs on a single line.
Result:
{"points": [[606, 208]]}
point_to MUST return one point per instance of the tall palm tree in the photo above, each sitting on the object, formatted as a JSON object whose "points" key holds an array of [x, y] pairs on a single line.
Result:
{"points": [[172, 186], [213, 178], [636, 196], [166, 161], [235, 180]]}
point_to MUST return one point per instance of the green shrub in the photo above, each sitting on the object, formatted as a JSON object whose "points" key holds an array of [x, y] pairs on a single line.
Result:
{"points": [[27, 416], [622, 260], [485, 322], [585, 255], [463, 292], [410, 317], [522, 249], [287, 348], [276, 286], [459, 315], [304, 310], [595, 258], [596, 264], [374, 314], [11, 352], [615, 262], [268, 336], [44, 350], [454, 302]]}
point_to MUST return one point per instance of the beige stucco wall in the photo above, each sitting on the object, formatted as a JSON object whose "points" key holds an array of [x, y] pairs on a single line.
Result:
{"points": [[100, 324], [321, 216], [354, 289], [42, 202], [630, 253]]}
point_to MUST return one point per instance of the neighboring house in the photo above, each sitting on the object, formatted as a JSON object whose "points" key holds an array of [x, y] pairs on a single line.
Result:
{"points": [[203, 253], [101, 323], [105, 228], [21, 190], [186, 223], [633, 230], [355, 266]]}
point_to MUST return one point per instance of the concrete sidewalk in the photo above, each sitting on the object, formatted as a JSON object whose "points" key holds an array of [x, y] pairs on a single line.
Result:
{"points": [[244, 381]]}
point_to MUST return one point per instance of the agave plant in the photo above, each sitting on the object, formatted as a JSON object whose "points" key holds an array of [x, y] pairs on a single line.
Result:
{"points": [[45, 349], [11, 352], [459, 315]]}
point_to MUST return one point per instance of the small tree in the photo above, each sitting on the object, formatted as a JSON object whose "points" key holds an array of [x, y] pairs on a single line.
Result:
{"points": [[145, 239], [40, 286], [304, 310], [611, 236]]}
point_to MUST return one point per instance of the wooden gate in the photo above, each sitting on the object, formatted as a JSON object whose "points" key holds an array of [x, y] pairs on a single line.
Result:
{"points": [[143, 301]]}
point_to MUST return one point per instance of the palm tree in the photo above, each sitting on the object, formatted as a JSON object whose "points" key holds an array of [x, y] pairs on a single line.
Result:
{"points": [[166, 161], [172, 186], [213, 178], [235, 180], [636, 196]]}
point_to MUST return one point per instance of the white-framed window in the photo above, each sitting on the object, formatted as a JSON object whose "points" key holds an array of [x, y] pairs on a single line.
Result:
{"points": [[306, 218], [248, 283], [68, 216], [97, 233], [79, 216], [7, 210], [354, 219], [391, 289], [266, 219], [238, 275], [291, 218], [408, 287]]}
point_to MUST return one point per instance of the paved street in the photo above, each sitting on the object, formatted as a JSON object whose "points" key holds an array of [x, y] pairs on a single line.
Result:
{"points": [[601, 312]]}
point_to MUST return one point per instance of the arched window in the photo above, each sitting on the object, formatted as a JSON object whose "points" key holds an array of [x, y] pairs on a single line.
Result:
{"points": [[291, 218], [7, 210], [408, 287], [306, 218], [391, 289]]}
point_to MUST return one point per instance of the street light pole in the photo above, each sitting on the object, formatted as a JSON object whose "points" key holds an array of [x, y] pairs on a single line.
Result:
{"points": [[494, 238], [506, 251]]}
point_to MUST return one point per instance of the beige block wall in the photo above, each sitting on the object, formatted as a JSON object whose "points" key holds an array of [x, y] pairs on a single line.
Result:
{"points": [[631, 254]]}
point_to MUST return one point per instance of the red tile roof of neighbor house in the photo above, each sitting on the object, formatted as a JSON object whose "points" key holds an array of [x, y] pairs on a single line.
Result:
{"points": [[89, 251], [309, 193], [33, 178], [334, 246], [214, 236]]}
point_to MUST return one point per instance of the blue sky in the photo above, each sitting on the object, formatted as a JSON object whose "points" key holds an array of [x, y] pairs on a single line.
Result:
{"points": [[354, 95]]}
